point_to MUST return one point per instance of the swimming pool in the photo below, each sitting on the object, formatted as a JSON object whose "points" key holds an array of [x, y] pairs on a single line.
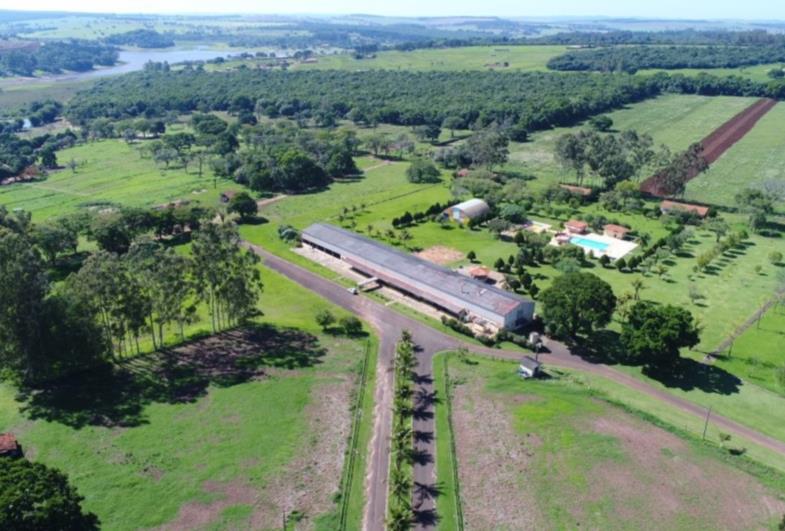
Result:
{"points": [[589, 243]]}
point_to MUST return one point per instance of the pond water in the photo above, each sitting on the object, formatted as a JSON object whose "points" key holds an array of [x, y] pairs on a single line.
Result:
{"points": [[132, 60]]}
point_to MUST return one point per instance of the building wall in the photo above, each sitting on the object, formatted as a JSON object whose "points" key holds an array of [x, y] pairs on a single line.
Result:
{"points": [[452, 304]]}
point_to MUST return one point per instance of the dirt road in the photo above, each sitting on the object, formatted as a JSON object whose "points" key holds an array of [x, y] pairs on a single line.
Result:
{"points": [[389, 324]]}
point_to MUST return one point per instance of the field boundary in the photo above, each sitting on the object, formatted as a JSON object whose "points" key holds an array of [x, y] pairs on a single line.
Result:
{"points": [[759, 313], [719, 141], [453, 449], [346, 482]]}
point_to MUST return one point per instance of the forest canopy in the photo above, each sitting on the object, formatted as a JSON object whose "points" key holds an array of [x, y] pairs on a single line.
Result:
{"points": [[57, 56], [406, 98], [532, 100], [633, 58]]}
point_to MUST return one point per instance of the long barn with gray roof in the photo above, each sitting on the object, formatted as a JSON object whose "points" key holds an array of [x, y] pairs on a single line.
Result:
{"points": [[452, 292]]}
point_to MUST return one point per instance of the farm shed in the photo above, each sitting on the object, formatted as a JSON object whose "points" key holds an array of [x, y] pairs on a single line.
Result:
{"points": [[9, 446], [575, 226], [468, 210], [447, 290], [671, 206], [615, 231], [529, 367]]}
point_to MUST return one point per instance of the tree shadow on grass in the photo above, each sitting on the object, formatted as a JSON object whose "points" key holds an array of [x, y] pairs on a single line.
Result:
{"points": [[687, 374], [117, 394]]}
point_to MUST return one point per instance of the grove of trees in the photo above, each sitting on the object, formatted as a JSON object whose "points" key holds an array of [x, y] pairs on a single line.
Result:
{"points": [[101, 310]]}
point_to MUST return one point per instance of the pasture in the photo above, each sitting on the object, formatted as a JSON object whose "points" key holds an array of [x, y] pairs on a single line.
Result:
{"points": [[556, 455], [463, 58], [673, 120], [215, 433], [109, 172], [756, 73], [753, 160]]}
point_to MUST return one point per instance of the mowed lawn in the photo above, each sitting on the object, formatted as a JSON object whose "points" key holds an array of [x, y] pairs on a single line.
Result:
{"points": [[673, 120], [109, 172], [535, 454], [463, 58], [219, 450], [756, 158]]}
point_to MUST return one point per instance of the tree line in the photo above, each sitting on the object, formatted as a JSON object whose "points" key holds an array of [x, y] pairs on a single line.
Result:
{"points": [[17, 154], [630, 59], [142, 38], [54, 57]]}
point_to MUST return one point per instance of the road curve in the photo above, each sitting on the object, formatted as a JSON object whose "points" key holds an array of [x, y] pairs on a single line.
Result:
{"points": [[389, 324]]}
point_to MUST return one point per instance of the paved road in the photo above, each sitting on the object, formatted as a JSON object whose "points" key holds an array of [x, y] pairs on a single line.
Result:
{"points": [[389, 324]]}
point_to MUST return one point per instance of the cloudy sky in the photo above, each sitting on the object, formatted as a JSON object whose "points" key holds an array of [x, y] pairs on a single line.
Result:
{"points": [[749, 9]]}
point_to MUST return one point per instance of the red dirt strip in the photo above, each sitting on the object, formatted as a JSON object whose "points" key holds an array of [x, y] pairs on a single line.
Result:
{"points": [[720, 140]]}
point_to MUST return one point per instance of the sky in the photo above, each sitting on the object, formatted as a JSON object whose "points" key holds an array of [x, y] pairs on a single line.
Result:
{"points": [[690, 9]]}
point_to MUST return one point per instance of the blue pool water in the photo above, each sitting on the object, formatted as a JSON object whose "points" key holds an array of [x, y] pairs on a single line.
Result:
{"points": [[591, 244]]}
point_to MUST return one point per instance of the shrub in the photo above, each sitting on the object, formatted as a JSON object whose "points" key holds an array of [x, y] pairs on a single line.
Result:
{"points": [[351, 325], [325, 318]]}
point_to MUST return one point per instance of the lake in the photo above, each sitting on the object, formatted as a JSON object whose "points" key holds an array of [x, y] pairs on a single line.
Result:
{"points": [[132, 60]]}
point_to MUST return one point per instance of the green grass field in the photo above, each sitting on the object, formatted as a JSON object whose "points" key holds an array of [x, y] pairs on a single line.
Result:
{"points": [[109, 172], [756, 158], [466, 58], [557, 452], [758, 352], [755, 72], [673, 120], [218, 454]]}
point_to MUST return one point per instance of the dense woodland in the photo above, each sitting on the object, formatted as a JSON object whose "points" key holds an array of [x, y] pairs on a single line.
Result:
{"points": [[533, 100], [56, 57], [633, 58], [688, 36], [142, 38]]}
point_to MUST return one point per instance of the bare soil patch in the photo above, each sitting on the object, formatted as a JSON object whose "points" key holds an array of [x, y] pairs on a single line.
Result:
{"points": [[493, 461], [719, 141], [197, 515], [599, 467], [439, 254], [667, 481]]}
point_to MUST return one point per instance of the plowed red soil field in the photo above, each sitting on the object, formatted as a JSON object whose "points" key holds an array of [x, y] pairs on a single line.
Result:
{"points": [[721, 139]]}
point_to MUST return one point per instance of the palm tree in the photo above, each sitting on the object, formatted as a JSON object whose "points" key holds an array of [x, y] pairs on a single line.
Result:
{"points": [[401, 488], [400, 518]]}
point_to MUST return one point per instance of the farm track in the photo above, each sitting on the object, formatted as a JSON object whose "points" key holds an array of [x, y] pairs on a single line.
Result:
{"points": [[389, 324], [720, 140]]}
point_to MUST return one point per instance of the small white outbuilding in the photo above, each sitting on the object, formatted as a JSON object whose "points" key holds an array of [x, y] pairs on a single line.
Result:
{"points": [[529, 367], [468, 210]]}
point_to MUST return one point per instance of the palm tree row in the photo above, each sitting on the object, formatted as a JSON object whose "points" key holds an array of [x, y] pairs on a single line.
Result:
{"points": [[401, 514]]}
